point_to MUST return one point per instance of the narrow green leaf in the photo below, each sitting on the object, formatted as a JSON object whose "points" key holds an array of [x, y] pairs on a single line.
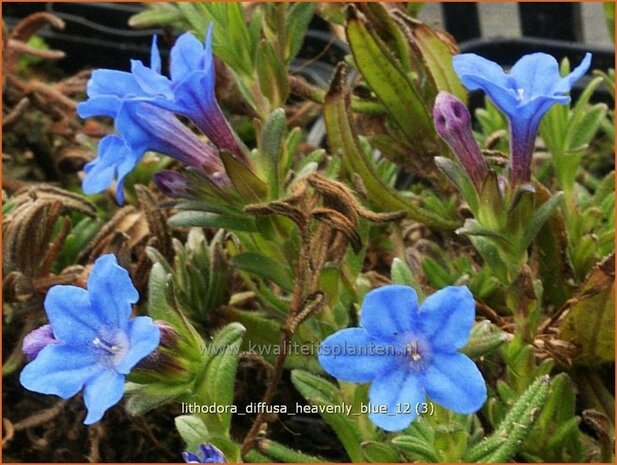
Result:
{"points": [[318, 391], [213, 220], [378, 452], [416, 448], [298, 19], [538, 220], [247, 184], [192, 430], [387, 80], [145, 397], [284, 454], [264, 266], [436, 49]]}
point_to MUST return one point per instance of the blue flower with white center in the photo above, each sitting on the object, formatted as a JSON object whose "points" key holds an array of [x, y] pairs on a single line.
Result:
{"points": [[209, 454], [95, 342], [408, 352], [524, 94]]}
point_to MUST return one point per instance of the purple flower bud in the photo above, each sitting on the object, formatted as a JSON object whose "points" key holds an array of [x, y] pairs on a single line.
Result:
{"points": [[453, 124], [37, 340], [169, 336], [172, 184]]}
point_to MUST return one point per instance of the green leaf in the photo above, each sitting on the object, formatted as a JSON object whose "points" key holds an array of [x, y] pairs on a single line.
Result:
{"points": [[551, 254], [264, 266], [455, 172], [417, 448], [539, 218], [377, 452], [272, 75], [158, 14], [590, 323], [298, 19], [271, 145], [318, 391], [281, 453], [484, 339], [387, 80], [192, 430], [343, 139], [213, 220], [436, 49], [506, 440], [145, 397], [215, 385], [402, 274], [246, 183]]}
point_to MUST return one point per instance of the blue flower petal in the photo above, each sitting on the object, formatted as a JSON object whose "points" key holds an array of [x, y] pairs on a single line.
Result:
{"points": [[115, 160], [454, 381], [144, 337], [102, 392], [111, 292], [447, 318], [60, 369], [186, 56], [155, 56], [104, 105], [70, 314], [189, 457], [477, 72], [400, 391], [389, 311], [109, 82], [352, 355], [535, 74], [152, 83], [566, 83]]}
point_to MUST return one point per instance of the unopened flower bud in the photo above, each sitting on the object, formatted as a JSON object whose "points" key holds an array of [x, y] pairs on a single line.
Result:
{"points": [[37, 340], [453, 124], [172, 184], [169, 336]]}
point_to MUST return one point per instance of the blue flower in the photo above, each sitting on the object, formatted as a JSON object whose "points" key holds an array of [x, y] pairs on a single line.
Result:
{"points": [[190, 91], [143, 127], [407, 353], [524, 94], [97, 341], [209, 454]]}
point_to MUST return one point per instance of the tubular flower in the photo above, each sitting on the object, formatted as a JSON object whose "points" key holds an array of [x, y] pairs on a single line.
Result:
{"points": [[207, 454], [96, 343], [408, 352], [524, 94], [189, 92]]}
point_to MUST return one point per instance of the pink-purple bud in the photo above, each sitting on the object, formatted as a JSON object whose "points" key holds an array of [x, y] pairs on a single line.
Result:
{"points": [[37, 340], [172, 184], [169, 336], [453, 124]]}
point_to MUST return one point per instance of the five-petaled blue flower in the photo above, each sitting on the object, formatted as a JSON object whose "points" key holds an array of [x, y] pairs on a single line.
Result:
{"points": [[144, 103], [524, 94], [407, 353], [209, 454], [95, 343]]}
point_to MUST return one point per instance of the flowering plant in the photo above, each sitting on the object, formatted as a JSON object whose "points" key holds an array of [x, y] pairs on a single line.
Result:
{"points": [[303, 255]]}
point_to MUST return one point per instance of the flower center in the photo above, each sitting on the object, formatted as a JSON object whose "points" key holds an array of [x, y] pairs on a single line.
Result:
{"points": [[112, 346], [112, 349], [520, 94], [417, 353]]}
